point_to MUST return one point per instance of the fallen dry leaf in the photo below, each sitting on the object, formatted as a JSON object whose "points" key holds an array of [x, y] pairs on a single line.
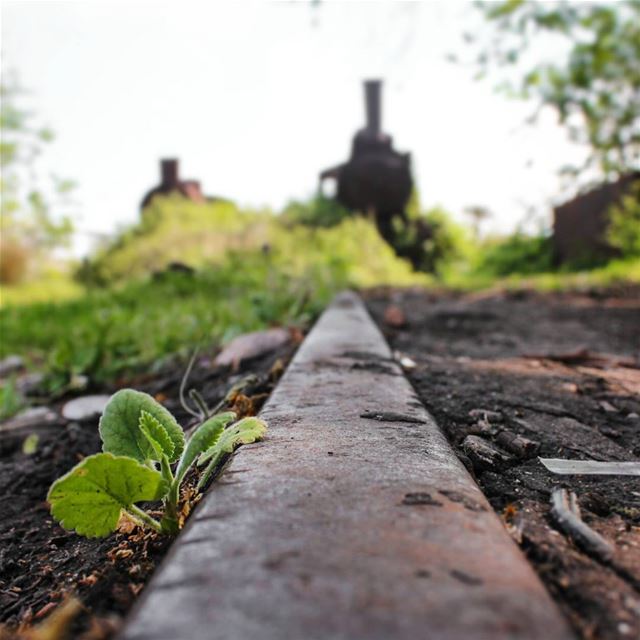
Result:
{"points": [[56, 626], [252, 345], [394, 317]]}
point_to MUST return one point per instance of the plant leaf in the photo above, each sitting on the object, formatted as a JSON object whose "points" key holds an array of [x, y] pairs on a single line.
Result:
{"points": [[120, 426], [156, 435], [246, 431], [205, 436], [91, 497]]}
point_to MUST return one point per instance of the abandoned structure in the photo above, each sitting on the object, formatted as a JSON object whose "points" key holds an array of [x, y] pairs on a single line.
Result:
{"points": [[580, 225], [170, 182], [376, 179]]}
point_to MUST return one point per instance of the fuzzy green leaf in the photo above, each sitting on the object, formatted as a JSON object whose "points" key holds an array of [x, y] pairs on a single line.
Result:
{"points": [[205, 436], [120, 426], [246, 431], [91, 497], [157, 436]]}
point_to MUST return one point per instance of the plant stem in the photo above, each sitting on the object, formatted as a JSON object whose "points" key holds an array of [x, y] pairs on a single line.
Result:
{"points": [[165, 468], [183, 385], [204, 478], [143, 518], [202, 405]]}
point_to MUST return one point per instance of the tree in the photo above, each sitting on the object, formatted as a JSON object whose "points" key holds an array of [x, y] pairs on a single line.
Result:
{"points": [[29, 227], [478, 215], [623, 232], [591, 76]]}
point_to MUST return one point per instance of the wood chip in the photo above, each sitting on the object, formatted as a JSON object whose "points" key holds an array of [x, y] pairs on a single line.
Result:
{"points": [[484, 455], [566, 512]]}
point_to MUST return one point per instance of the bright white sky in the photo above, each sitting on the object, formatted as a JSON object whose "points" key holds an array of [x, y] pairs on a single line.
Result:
{"points": [[256, 98]]}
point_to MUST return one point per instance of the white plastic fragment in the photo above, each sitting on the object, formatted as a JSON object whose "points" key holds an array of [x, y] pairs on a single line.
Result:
{"points": [[591, 467], [407, 363]]}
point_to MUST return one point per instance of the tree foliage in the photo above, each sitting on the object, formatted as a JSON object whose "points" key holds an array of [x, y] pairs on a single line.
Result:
{"points": [[623, 232], [30, 220], [585, 64]]}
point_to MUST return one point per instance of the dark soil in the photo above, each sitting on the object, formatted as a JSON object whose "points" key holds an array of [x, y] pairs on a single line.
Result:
{"points": [[513, 376], [42, 565]]}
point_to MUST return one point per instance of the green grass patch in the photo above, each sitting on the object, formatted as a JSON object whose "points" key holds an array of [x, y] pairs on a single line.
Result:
{"points": [[106, 334], [623, 271], [252, 271], [49, 286]]}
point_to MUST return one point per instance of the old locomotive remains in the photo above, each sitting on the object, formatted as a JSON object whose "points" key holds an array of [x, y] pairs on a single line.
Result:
{"points": [[376, 181]]}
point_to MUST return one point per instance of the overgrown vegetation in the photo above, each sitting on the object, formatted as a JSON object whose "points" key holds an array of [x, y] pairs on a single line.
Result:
{"points": [[246, 271], [175, 230], [624, 228], [192, 274], [317, 211], [518, 254]]}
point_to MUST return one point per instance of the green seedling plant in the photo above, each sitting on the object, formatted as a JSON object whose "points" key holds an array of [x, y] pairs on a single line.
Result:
{"points": [[145, 457]]}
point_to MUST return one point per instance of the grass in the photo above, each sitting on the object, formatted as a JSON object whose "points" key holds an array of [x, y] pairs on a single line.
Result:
{"points": [[52, 285], [254, 270], [107, 334], [613, 273]]}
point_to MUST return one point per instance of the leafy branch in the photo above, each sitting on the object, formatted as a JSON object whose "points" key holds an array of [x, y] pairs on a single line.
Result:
{"points": [[585, 65]]}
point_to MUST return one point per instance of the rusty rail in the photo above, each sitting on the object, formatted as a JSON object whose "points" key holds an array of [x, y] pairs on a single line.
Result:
{"points": [[340, 526]]}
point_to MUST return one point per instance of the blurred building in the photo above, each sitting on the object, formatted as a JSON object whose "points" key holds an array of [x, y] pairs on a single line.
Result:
{"points": [[170, 182], [580, 225]]}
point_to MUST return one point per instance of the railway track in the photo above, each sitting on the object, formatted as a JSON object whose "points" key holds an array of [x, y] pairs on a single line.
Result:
{"points": [[354, 519]]}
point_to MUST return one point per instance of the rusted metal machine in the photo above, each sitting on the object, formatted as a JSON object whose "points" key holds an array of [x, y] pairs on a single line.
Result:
{"points": [[376, 180], [170, 182]]}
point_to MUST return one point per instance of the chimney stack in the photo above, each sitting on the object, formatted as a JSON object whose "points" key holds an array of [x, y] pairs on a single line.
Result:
{"points": [[169, 173], [373, 106]]}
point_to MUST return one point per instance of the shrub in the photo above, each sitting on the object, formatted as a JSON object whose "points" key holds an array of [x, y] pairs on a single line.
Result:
{"points": [[623, 232], [14, 259], [449, 243], [318, 211], [516, 254]]}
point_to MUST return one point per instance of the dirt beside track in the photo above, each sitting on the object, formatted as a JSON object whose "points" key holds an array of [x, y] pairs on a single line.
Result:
{"points": [[41, 564], [514, 376]]}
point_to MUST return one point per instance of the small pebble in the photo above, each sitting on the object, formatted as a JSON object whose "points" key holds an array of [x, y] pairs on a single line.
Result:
{"points": [[85, 407], [10, 365]]}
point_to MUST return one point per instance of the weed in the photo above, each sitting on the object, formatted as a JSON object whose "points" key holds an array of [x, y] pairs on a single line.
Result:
{"points": [[141, 440]]}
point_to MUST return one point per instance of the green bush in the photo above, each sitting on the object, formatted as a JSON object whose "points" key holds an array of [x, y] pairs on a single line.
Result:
{"points": [[624, 226], [250, 272], [449, 244], [204, 235], [516, 254], [318, 211]]}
